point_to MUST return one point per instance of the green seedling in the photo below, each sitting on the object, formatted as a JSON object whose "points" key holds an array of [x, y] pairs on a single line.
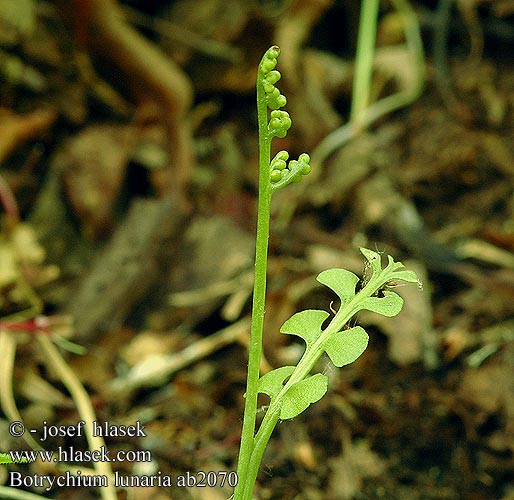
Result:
{"points": [[292, 389], [5, 458]]}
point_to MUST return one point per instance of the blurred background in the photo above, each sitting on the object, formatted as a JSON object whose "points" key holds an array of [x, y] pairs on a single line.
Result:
{"points": [[128, 181]]}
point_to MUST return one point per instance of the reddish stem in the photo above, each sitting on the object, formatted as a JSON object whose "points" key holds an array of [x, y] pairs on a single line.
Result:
{"points": [[8, 201], [39, 324]]}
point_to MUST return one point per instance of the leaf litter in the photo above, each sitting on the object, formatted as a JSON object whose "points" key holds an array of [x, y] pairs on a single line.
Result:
{"points": [[427, 412]]}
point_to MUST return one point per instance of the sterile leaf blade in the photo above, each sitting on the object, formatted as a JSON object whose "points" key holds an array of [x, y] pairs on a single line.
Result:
{"points": [[341, 281], [373, 259], [389, 305], [271, 383], [345, 347], [305, 324], [406, 275], [302, 394]]}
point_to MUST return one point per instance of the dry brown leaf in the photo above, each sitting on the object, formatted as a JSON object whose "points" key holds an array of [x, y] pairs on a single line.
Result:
{"points": [[21, 267], [93, 165], [348, 471], [18, 129], [487, 388]]}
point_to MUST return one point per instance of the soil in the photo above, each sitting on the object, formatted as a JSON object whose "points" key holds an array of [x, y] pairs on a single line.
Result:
{"points": [[129, 211]]}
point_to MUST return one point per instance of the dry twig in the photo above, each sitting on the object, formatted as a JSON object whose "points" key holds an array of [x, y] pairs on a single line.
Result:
{"points": [[100, 25]]}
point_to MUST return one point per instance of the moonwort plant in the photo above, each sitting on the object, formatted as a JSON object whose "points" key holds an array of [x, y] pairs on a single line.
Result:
{"points": [[291, 389]]}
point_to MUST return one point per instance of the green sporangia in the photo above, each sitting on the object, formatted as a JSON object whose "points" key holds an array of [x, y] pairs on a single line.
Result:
{"points": [[292, 389]]}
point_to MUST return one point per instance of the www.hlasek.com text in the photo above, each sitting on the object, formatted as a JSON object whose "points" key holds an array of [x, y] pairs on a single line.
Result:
{"points": [[72, 454]]}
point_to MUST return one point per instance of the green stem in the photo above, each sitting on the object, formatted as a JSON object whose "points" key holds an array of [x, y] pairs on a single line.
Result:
{"points": [[259, 296], [261, 441], [388, 104], [16, 494], [364, 58], [302, 370]]}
